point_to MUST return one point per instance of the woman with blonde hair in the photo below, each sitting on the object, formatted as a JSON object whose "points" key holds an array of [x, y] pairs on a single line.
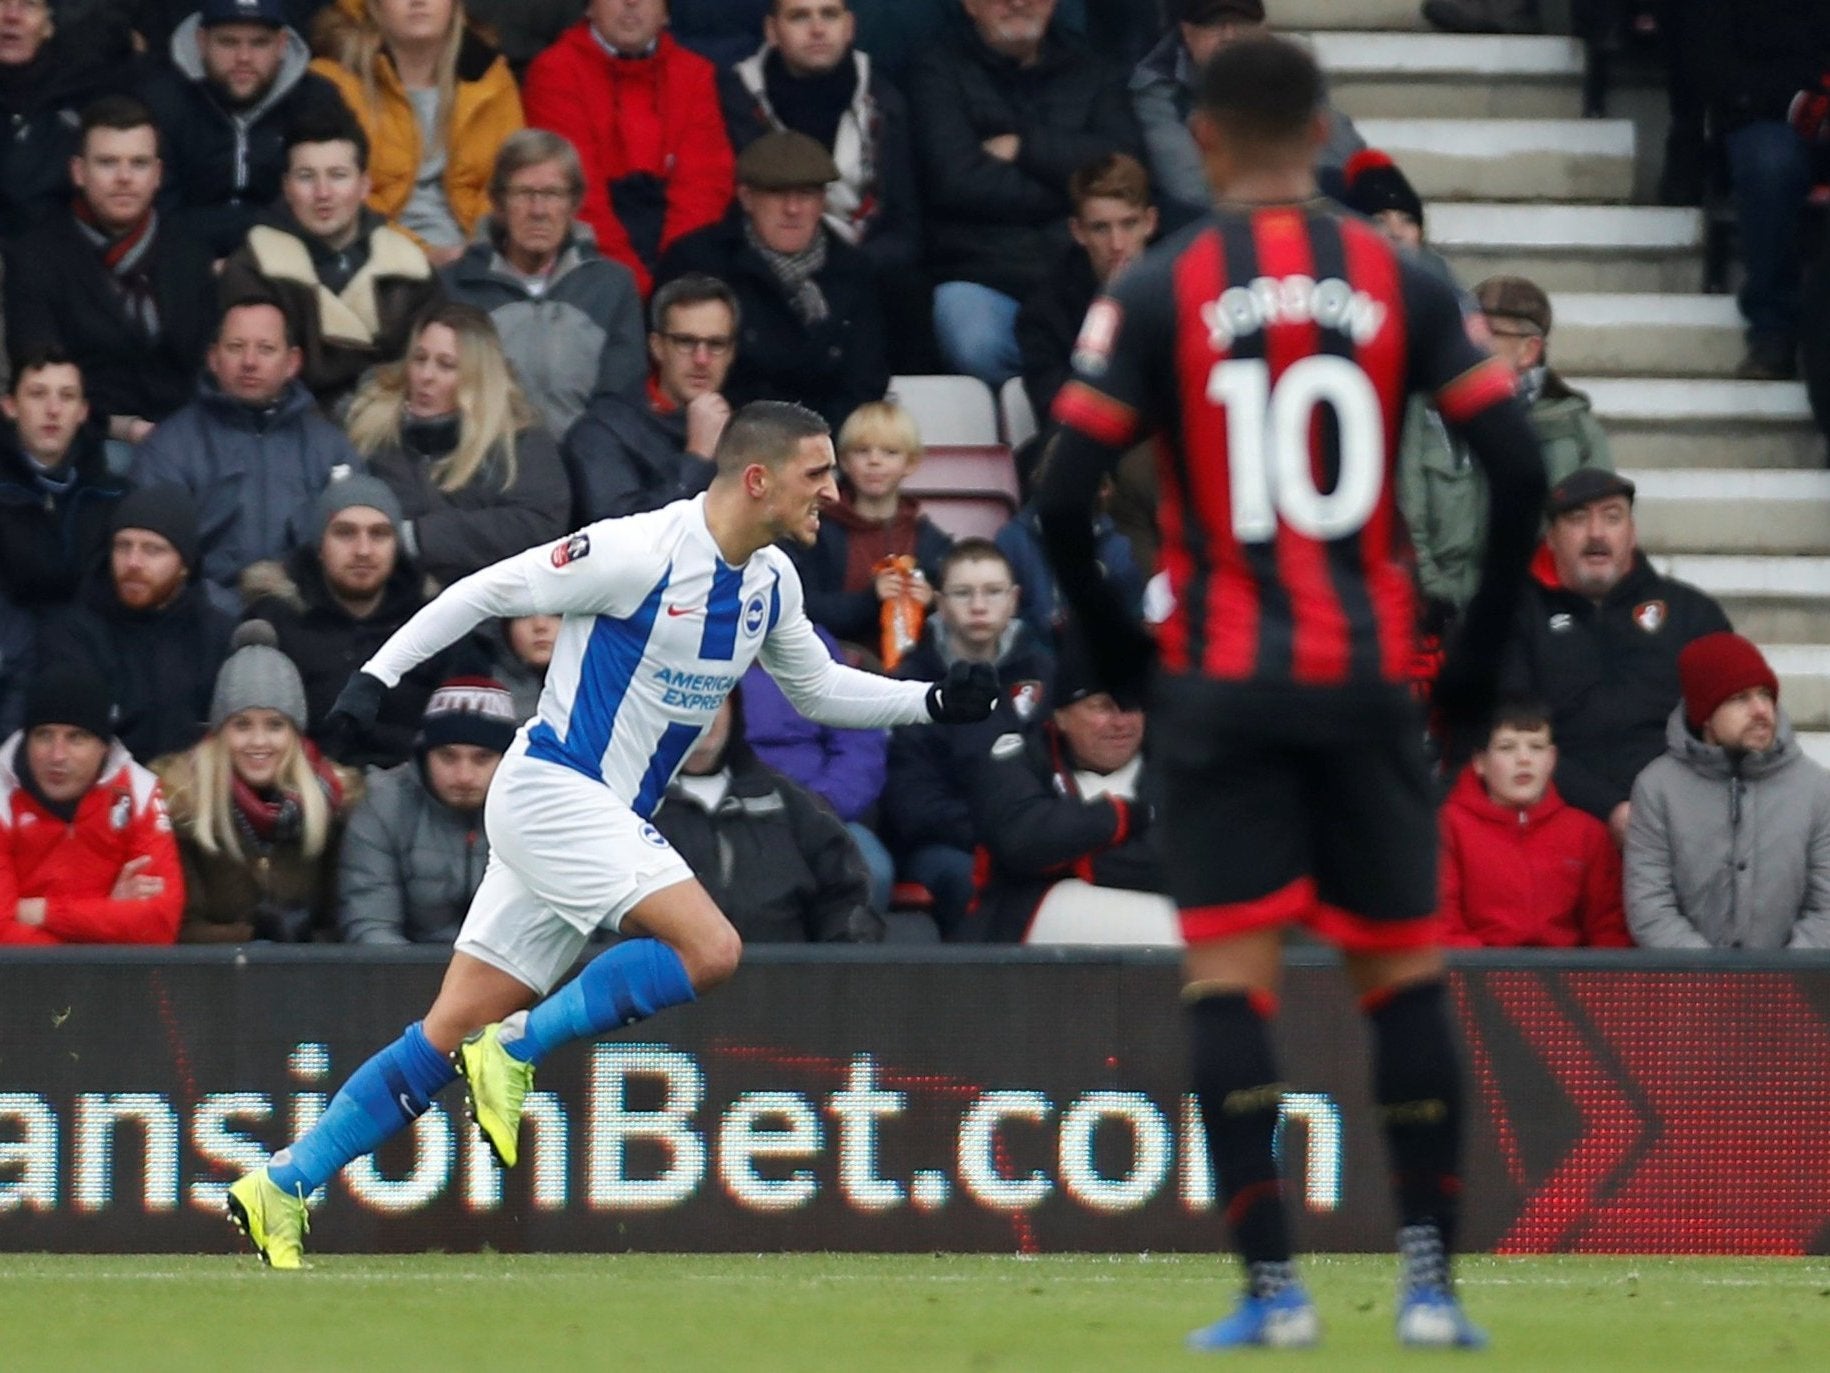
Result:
{"points": [[436, 102], [258, 812], [450, 432]]}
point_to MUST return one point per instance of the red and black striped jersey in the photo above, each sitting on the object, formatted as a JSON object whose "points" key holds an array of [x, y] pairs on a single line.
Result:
{"points": [[1270, 354]]}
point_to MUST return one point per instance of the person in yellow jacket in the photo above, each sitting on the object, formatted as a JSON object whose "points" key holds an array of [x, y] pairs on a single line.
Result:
{"points": [[436, 102]]}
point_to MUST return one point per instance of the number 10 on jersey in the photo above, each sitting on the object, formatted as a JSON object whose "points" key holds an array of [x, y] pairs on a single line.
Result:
{"points": [[1267, 446]]}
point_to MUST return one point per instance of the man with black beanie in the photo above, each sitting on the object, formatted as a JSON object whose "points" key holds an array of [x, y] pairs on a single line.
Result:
{"points": [[86, 853], [415, 849], [146, 625]]}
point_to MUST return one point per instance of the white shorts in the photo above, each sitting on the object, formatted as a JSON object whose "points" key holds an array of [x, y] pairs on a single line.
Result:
{"points": [[565, 857]]}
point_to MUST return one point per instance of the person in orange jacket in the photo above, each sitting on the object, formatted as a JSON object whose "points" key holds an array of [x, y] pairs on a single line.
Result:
{"points": [[1521, 867], [436, 101], [643, 113], [86, 851]]}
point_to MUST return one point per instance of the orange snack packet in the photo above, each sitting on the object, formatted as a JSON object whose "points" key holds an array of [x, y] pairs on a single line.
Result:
{"points": [[901, 616]]}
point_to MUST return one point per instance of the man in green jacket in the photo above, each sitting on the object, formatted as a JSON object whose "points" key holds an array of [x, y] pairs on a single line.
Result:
{"points": [[1442, 493]]}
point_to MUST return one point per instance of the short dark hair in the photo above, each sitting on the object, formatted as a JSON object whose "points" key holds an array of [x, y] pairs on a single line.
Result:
{"points": [[1262, 90], [1523, 713], [119, 112], [35, 357], [695, 288], [253, 300], [972, 550], [330, 122], [766, 431]]}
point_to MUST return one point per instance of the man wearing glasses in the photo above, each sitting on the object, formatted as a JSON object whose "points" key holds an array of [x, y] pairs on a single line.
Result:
{"points": [[1440, 488], [627, 456], [569, 317]]}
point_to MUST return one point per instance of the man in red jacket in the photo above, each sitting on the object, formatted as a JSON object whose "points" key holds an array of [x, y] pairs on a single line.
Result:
{"points": [[643, 113], [86, 851], [1520, 866]]}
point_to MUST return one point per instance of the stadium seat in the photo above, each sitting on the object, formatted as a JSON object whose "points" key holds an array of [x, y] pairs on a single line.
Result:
{"points": [[1015, 414], [950, 411], [966, 517]]}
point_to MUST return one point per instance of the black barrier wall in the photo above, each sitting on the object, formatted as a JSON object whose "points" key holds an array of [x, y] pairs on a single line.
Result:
{"points": [[976, 1103]]}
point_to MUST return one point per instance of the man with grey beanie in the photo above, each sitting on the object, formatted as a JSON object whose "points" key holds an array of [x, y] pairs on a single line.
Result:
{"points": [[336, 598]]}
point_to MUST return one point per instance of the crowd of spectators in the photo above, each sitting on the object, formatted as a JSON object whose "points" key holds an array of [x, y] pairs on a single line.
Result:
{"points": [[314, 308]]}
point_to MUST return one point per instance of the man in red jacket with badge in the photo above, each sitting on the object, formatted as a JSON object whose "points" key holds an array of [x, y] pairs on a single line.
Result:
{"points": [[86, 851]]}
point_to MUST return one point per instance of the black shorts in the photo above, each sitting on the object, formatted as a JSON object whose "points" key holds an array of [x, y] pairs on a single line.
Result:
{"points": [[1296, 804]]}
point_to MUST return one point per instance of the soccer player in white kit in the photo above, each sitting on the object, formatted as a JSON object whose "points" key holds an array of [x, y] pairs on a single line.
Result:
{"points": [[663, 613]]}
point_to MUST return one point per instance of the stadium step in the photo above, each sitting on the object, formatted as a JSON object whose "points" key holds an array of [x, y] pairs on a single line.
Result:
{"points": [[1733, 510], [1397, 75], [1572, 247], [1648, 335], [1804, 682], [1659, 423], [1816, 745], [1346, 14], [1772, 600], [1510, 159]]}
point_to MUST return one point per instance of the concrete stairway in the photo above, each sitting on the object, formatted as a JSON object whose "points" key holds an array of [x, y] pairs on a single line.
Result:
{"points": [[1734, 494]]}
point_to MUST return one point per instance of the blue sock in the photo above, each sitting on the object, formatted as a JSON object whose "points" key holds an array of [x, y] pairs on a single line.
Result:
{"points": [[619, 987], [381, 1098]]}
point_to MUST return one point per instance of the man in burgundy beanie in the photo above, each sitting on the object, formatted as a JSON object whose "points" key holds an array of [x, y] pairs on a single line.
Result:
{"points": [[1728, 845]]}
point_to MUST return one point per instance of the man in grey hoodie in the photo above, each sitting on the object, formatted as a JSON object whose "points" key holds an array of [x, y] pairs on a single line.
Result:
{"points": [[238, 76], [1729, 842]]}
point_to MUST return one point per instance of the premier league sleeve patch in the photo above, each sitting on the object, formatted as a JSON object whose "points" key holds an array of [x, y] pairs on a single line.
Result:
{"points": [[571, 549]]}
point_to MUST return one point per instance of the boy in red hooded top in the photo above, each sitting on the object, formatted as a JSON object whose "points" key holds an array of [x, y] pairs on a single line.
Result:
{"points": [[86, 852], [1520, 867]]}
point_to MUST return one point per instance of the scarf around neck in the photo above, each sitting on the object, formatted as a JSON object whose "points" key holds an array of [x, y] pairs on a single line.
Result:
{"points": [[796, 272], [124, 256]]}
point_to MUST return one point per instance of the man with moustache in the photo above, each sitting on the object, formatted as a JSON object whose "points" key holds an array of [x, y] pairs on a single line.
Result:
{"points": [[146, 625], [1598, 640], [252, 448], [1729, 844], [335, 599]]}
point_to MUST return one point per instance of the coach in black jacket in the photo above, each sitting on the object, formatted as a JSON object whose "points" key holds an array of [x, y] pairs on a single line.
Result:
{"points": [[1070, 797], [1597, 640]]}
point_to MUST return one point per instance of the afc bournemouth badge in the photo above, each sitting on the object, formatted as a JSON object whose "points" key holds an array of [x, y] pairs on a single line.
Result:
{"points": [[1649, 616], [122, 811], [574, 547], [1026, 699]]}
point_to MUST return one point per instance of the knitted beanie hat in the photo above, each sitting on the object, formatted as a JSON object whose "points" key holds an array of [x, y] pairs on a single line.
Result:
{"points": [[1716, 667], [357, 489], [470, 710], [71, 694], [1375, 183], [166, 510], [257, 676]]}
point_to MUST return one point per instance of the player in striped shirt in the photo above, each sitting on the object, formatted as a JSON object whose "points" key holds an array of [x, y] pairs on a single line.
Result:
{"points": [[1269, 349], [663, 614]]}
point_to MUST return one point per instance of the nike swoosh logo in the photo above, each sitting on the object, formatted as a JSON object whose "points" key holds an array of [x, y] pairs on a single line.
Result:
{"points": [[406, 1102], [682, 610]]}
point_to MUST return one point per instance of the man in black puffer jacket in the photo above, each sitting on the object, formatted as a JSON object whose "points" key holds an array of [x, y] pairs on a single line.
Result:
{"points": [[1009, 108]]}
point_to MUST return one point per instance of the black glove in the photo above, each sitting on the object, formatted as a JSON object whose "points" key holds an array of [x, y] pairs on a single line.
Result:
{"points": [[352, 714], [966, 695]]}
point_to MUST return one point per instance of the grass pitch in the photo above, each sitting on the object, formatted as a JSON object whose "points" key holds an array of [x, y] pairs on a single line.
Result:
{"points": [[805, 1312]]}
